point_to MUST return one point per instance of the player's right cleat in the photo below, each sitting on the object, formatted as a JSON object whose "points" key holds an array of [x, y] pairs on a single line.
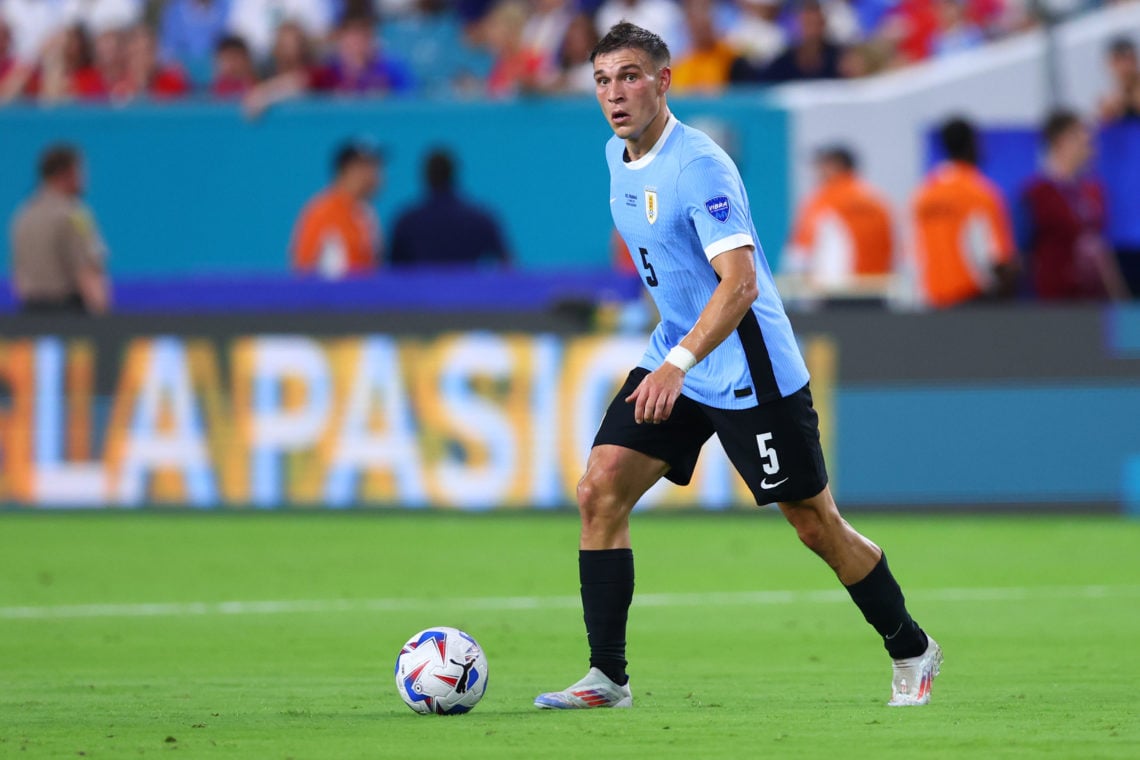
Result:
{"points": [[914, 676], [595, 690]]}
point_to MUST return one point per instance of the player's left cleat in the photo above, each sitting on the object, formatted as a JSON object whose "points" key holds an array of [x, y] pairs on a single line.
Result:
{"points": [[914, 676], [595, 690]]}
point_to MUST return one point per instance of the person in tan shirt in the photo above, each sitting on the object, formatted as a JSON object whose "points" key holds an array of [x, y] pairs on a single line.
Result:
{"points": [[58, 255]]}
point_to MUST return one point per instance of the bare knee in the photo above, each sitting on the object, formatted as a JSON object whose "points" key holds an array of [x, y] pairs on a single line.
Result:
{"points": [[600, 504], [811, 531]]}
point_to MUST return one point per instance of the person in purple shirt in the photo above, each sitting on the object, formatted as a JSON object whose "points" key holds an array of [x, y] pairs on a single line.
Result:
{"points": [[443, 228], [359, 66]]}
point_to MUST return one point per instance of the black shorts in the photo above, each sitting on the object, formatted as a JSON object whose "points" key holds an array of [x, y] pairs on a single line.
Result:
{"points": [[774, 446]]}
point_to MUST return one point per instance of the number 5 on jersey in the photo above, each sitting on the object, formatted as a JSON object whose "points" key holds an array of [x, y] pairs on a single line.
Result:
{"points": [[651, 278]]}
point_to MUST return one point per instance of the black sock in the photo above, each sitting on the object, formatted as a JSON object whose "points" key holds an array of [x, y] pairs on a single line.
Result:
{"points": [[607, 590], [880, 599]]}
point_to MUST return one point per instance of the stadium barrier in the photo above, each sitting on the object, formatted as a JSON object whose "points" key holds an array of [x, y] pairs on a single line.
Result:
{"points": [[182, 189], [983, 409]]}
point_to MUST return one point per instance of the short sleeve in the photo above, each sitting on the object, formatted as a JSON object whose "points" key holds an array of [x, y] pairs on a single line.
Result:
{"points": [[713, 196], [85, 248]]}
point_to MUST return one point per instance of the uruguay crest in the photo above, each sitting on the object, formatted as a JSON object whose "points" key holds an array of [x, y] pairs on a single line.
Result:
{"points": [[651, 205]]}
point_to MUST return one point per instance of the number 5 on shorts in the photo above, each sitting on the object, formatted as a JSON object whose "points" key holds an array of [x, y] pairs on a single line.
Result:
{"points": [[771, 461]]}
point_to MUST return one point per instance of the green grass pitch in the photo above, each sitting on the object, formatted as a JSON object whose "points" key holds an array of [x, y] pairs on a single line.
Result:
{"points": [[742, 646]]}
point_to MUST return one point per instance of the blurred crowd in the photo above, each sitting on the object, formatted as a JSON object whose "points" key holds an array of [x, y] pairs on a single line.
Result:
{"points": [[264, 51]]}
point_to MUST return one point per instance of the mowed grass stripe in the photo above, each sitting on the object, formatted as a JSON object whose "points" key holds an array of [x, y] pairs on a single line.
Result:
{"points": [[514, 603]]}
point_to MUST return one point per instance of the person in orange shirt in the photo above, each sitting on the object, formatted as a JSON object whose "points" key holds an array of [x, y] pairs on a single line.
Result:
{"points": [[338, 232], [964, 247], [843, 240], [707, 66]]}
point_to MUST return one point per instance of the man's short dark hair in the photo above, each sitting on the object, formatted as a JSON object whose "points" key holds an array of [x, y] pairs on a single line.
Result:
{"points": [[625, 36], [1121, 46], [1057, 124], [439, 170], [959, 140], [232, 43], [840, 155], [353, 152], [57, 160]]}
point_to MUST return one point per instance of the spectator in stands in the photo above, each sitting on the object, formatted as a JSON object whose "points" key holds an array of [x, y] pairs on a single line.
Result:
{"points": [[516, 68], [31, 23], [66, 67], [757, 37], [256, 21], [444, 228], [358, 66], [706, 67], [842, 22], [964, 245], [956, 32], [663, 17], [1064, 220], [234, 73], [190, 32], [338, 232], [546, 28], [7, 59], [843, 242], [573, 71], [813, 56], [108, 77], [1123, 101], [291, 72], [146, 76], [58, 255]]}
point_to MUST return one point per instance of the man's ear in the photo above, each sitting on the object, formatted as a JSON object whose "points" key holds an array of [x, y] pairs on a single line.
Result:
{"points": [[664, 79]]}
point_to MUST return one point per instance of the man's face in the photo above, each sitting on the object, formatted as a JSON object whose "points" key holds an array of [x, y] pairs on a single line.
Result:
{"points": [[1124, 65], [630, 90], [366, 177]]}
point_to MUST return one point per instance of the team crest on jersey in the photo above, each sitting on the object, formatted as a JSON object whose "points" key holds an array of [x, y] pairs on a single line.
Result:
{"points": [[651, 204], [719, 207]]}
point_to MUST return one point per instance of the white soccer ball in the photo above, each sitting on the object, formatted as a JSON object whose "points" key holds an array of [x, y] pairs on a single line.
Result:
{"points": [[441, 670]]}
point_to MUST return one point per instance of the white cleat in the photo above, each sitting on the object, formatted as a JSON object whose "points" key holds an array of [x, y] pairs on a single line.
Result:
{"points": [[595, 690], [914, 677]]}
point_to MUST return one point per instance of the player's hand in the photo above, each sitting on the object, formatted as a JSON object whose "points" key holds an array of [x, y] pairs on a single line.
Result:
{"points": [[655, 396]]}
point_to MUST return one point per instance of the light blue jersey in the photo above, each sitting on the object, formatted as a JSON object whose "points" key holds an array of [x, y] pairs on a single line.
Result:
{"points": [[677, 208]]}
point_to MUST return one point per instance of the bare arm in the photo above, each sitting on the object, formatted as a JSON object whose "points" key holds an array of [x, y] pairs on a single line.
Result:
{"points": [[730, 301], [95, 290]]}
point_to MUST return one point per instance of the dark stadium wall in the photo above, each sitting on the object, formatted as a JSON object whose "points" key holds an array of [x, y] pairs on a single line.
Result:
{"points": [[193, 188], [981, 409]]}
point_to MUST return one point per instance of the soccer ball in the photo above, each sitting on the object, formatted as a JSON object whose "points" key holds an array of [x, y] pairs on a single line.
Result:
{"points": [[441, 670]]}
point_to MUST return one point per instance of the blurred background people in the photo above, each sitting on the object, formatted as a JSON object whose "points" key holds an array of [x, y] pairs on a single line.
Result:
{"points": [[190, 31], [338, 232], [256, 21], [706, 67], [843, 239], [358, 65], [572, 71], [963, 237], [234, 73], [444, 228], [1064, 219], [812, 55], [663, 17], [956, 31], [58, 255], [757, 36], [516, 68], [290, 70], [1122, 102]]}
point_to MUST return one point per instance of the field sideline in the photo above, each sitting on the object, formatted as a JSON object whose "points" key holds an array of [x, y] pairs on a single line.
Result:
{"points": [[273, 636]]}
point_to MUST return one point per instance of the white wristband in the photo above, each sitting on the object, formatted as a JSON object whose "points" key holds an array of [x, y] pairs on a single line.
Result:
{"points": [[681, 357]]}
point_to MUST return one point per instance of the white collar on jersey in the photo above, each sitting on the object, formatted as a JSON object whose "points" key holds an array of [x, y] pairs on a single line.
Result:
{"points": [[645, 160]]}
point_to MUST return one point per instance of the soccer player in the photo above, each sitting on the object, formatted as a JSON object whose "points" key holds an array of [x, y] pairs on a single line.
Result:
{"points": [[723, 360]]}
